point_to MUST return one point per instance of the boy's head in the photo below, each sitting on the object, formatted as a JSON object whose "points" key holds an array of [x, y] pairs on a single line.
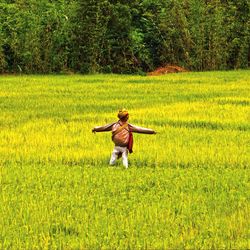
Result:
{"points": [[123, 115]]}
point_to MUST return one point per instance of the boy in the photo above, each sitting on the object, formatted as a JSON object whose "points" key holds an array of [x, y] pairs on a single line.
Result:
{"points": [[122, 136]]}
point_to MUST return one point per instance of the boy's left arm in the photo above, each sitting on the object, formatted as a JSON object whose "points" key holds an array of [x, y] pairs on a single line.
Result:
{"points": [[141, 130], [104, 128]]}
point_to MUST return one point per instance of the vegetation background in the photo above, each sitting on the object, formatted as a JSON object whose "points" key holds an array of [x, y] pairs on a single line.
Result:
{"points": [[123, 36]]}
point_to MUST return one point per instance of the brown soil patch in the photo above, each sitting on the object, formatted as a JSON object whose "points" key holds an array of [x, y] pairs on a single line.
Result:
{"points": [[167, 70]]}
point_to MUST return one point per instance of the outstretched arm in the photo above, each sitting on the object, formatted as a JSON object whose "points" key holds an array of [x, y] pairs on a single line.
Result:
{"points": [[141, 130], [104, 128]]}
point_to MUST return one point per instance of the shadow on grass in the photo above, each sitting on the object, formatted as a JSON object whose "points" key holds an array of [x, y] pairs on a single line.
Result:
{"points": [[62, 229], [203, 124]]}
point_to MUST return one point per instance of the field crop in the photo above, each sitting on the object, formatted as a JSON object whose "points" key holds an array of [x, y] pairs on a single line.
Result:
{"points": [[186, 187]]}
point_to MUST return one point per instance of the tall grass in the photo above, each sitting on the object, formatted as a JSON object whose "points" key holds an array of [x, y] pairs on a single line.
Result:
{"points": [[186, 187]]}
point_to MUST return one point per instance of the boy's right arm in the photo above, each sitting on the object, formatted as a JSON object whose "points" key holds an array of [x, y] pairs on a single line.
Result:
{"points": [[141, 130], [104, 128]]}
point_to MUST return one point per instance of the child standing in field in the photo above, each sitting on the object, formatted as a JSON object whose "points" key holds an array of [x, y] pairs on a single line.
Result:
{"points": [[122, 136]]}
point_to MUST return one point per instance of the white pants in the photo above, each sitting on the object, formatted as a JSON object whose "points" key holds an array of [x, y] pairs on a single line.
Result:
{"points": [[114, 155]]}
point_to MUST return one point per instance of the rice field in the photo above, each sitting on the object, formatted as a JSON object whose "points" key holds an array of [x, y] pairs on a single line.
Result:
{"points": [[186, 187]]}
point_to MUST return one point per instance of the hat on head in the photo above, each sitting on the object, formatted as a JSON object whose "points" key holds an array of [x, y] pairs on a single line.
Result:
{"points": [[122, 113]]}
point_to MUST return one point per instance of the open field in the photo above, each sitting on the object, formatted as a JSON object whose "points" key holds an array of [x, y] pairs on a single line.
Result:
{"points": [[186, 187]]}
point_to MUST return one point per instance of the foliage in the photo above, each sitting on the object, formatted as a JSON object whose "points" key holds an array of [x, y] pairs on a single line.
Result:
{"points": [[119, 36], [35, 36]]}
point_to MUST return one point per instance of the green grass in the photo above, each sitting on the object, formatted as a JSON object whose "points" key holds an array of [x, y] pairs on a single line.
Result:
{"points": [[186, 187]]}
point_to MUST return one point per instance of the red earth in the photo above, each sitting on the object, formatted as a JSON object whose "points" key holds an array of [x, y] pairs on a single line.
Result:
{"points": [[166, 70]]}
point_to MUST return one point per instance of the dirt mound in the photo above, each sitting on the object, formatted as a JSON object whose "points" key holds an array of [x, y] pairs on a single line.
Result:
{"points": [[166, 70]]}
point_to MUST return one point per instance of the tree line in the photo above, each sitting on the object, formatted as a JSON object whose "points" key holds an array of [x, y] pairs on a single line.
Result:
{"points": [[123, 36]]}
